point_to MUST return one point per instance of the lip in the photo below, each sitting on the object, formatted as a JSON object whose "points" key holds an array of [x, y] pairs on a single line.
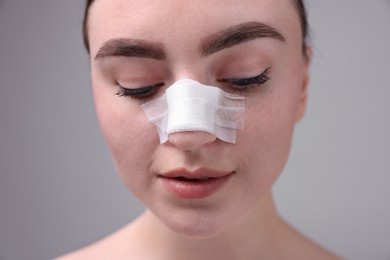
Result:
{"points": [[198, 184]]}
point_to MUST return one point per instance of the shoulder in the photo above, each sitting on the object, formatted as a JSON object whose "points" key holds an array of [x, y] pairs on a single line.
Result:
{"points": [[298, 246], [110, 247], [96, 251]]}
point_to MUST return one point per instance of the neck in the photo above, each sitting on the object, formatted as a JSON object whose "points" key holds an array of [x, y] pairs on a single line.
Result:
{"points": [[255, 234]]}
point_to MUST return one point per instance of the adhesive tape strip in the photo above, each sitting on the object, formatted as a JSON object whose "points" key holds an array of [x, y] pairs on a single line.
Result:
{"points": [[188, 105]]}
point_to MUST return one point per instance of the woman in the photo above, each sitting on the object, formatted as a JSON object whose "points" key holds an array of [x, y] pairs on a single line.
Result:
{"points": [[207, 193]]}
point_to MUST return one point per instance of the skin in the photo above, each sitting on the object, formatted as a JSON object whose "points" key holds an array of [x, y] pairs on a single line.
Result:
{"points": [[239, 221]]}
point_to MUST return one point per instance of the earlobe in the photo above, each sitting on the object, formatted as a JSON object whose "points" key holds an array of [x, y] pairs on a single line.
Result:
{"points": [[305, 84]]}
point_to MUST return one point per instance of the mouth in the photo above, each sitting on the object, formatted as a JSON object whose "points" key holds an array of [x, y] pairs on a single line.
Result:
{"points": [[197, 184], [199, 174], [200, 179]]}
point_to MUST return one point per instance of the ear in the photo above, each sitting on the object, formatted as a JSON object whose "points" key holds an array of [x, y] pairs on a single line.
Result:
{"points": [[305, 83]]}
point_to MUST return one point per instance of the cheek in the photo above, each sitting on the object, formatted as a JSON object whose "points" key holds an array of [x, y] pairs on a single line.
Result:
{"points": [[269, 126], [129, 135]]}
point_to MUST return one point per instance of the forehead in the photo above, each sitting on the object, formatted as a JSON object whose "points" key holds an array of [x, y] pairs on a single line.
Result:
{"points": [[175, 21]]}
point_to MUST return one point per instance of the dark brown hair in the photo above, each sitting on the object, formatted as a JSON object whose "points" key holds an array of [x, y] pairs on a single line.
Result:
{"points": [[298, 3]]}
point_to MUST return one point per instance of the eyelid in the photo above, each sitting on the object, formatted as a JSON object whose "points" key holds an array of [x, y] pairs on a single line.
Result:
{"points": [[264, 72], [139, 93], [241, 83]]}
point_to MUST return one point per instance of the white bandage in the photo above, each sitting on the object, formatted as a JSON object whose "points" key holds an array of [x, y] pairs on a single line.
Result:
{"points": [[188, 105]]}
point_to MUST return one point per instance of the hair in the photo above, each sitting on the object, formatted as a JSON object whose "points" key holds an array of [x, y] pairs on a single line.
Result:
{"points": [[299, 4]]}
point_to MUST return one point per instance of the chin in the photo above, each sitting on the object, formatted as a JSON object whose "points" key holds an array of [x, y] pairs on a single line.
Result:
{"points": [[196, 230], [195, 223]]}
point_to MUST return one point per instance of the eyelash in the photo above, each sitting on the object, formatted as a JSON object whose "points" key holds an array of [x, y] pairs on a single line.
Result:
{"points": [[138, 93], [236, 84], [245, 84]]}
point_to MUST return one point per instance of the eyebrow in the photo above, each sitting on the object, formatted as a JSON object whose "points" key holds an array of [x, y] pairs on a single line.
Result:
{"points": [[238, 34], [213, 43], [131, 48]]}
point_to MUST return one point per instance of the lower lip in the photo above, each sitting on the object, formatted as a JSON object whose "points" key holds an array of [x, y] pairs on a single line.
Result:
{"points": [[194, 190]]}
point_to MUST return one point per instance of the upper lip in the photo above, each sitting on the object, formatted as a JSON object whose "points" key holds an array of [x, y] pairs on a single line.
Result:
{"points": [[200, 173]]}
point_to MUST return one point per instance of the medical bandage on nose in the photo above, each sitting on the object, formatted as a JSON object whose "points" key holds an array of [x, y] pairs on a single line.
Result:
{"points": [[188, 105]]}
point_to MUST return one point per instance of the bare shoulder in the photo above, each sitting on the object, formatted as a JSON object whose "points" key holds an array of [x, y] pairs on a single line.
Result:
{"points": [[110, 247], [298, 246]]}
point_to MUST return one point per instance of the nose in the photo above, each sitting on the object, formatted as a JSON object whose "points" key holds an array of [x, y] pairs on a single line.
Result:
{"points": [[191, 140]]}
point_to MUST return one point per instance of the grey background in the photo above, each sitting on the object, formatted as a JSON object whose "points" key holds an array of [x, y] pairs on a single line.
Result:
{"points": [[58, 187]]}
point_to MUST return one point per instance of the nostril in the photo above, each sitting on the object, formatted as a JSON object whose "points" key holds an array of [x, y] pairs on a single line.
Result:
{"points": [[191, 140]]}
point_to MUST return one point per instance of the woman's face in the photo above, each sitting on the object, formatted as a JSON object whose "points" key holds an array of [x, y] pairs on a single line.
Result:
{"points": [[134, 44]]}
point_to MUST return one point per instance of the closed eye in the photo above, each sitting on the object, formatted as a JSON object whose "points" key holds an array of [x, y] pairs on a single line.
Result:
{"points": [[139, 93], [244, 84]]}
